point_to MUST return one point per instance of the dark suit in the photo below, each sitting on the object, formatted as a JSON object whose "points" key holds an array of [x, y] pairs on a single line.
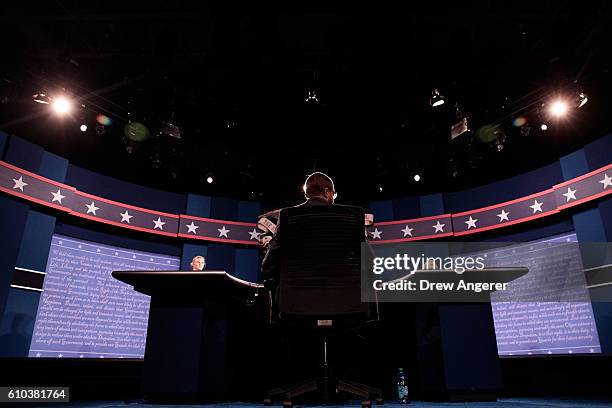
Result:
{"points": [[270, 266]]}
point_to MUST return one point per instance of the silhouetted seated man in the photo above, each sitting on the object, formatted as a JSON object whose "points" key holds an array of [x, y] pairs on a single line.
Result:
{"points": [[318, 190]]}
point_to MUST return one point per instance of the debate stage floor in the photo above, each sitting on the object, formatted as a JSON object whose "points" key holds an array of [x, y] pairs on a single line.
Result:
{"points": [[501, 403]]}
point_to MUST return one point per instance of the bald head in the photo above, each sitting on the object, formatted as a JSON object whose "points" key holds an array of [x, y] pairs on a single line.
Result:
{"points": [[319, 185]]}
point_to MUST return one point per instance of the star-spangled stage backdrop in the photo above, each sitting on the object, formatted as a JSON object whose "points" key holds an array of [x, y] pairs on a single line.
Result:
{"points": [[49, 193]]}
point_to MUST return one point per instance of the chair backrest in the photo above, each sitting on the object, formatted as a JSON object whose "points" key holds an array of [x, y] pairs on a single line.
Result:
{"points": [[320, 271]]}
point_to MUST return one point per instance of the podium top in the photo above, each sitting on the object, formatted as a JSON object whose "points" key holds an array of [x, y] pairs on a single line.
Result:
{"points": [[195, 284]]}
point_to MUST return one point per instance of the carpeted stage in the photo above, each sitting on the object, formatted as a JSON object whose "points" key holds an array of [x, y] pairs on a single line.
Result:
{"points": [[501, 403]]}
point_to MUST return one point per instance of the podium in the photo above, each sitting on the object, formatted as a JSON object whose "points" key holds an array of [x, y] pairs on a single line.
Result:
{"points": [[198, 322], [205, 338]]}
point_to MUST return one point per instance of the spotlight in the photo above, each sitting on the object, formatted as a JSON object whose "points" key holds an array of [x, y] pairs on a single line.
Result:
{"points": [[417, 177], [83, 128], [311, 97], [380, 189], [581, 99], [41, 98], [209, 179], [558, 108], [61, 105], [544, 126], [436, 98]]}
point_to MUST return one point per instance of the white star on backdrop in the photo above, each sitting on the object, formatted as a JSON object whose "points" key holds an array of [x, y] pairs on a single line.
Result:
{"points": [[503, 215], [606, 181], [407, 231], [158, 223], [254, 234], [570, 195], [439, 227], [376, 234], [19, 183], [91, 208], [471, 222], [192, 227], [223, 232], [125, 217], [536, 206], [58, 196]]}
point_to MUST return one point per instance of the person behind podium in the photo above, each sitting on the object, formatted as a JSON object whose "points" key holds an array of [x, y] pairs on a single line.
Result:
{"points": [[198, 263], [318, 190]]}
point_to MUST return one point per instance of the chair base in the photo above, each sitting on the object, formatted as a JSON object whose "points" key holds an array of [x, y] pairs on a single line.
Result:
{"points": [[329, 390]]}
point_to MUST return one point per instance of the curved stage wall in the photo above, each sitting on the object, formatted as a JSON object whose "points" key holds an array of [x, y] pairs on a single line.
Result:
{"points": [[56, 194]]}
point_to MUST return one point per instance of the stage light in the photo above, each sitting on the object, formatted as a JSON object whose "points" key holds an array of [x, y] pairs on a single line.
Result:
{"points": [[103, 120], [380, 189], [558, 108], [83, 128], [581, 99], [61, 105], [209, 179], [519, 121], [417, 177], [41, 98], [544, 126], [436, 98], [311, 97]]}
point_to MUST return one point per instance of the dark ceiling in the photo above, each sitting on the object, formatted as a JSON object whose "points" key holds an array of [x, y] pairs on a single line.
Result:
{"points": [[235, 82]]}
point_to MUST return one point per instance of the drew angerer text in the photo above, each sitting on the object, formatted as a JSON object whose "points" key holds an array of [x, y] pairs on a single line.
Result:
{"points": [[425, 285]]}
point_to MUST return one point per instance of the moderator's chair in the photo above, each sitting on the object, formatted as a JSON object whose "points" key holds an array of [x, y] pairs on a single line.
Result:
{"points": [[320, 290]]}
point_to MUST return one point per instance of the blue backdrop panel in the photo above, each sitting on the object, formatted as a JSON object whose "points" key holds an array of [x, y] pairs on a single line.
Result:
{"points": [[24, 154], [431, 205], [36, 240], [382, 210], [53, 166], [406, 208], [124, 192], [605, 210], [246, 264], [189, 251], [248, 211], [13, 216], [3, 142], [574, 165], [598, 152], [18, 323], [505, 190], [221, 257], [224, 208], [198, 205]]}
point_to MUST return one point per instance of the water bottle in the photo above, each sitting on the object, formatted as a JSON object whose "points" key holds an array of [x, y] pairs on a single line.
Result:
{"points": [[402, 387]]}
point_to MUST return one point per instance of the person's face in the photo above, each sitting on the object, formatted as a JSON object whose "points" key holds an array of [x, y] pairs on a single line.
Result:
{"points": [[197, 264]]}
